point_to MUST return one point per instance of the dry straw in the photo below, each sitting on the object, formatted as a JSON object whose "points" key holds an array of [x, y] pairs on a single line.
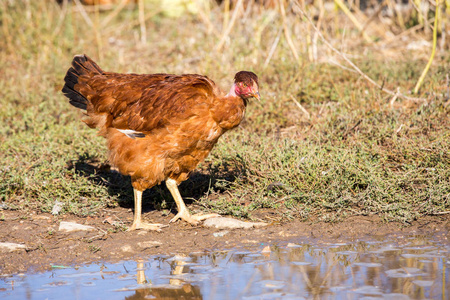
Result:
{"points": [[354, 66]]}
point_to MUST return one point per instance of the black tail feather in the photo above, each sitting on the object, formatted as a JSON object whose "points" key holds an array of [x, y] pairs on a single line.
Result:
{"points": [[75, 98], [81, 65]]}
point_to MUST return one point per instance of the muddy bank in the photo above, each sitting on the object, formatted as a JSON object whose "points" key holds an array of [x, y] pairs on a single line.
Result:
{"points": [[46, 245]]}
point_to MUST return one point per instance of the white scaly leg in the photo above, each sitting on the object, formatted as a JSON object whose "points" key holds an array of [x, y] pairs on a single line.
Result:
{"points": [[137, 223], [183, 212]]}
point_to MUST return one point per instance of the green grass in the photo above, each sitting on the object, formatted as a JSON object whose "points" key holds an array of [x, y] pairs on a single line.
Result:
{"points": [[355, 155]]}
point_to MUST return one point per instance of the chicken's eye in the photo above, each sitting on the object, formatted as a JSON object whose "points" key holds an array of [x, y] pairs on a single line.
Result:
{"points": [[244, 85]]}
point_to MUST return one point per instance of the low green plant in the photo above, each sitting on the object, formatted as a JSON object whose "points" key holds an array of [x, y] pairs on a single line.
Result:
{"points": [[322, 144]]}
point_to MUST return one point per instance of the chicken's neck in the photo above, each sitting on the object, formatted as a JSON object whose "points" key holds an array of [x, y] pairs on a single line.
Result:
{"points": [[228, 111], [232, 93]]}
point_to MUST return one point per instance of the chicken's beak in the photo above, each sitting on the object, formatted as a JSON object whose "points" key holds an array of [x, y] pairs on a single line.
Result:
{"points": [[257, 96]]}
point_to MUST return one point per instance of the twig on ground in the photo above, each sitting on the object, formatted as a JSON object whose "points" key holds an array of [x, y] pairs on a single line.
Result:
{"points": [[391, 103], [441, 213], [400, 128], [352, 128], [300, 106], [331, 61], [447, 80]]}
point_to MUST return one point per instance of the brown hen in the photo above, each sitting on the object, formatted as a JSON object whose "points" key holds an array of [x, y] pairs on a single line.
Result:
{"points": [[159, 126]]}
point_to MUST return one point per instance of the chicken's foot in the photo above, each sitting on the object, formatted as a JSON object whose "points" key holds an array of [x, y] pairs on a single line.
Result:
{"points": [[183, 212], [137, 223]]}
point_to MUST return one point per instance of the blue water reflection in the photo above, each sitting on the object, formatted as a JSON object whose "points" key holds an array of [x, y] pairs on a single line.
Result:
{"points": [[402, 268]]}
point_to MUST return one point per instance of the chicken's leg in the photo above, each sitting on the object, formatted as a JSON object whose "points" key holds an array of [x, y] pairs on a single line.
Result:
{"points": [[183, 212], [137, 223]]}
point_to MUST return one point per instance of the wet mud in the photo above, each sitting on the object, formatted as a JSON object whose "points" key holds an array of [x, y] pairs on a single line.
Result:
{"points": [[45, 246]]}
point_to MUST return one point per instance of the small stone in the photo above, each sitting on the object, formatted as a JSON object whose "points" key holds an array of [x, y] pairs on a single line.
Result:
{"points": [[220, 233], [418, 45], [57, 207], [149, 244], [10, 247], [41, 217], [250, 241], [126, 248], [71, 226], [229, 223], [286, 234], [266, 249], [423, 283]]}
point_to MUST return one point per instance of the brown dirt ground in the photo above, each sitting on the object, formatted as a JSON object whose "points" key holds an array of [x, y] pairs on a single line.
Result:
{"points": [[46, 246]]}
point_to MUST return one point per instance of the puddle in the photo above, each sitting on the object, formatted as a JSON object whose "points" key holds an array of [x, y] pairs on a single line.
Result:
{"points": [[401, 268]]}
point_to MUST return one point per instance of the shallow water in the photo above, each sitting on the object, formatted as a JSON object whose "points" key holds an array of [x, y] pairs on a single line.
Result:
{"points": [[397, 268]]}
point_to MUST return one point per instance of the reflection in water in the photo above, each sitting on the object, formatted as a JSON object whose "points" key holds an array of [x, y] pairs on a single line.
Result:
{"points": [[396, 269], [185, 291], [179, 289]]}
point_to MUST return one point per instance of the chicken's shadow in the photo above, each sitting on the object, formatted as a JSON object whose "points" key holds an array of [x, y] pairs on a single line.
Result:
{"points": [[200, 184]]}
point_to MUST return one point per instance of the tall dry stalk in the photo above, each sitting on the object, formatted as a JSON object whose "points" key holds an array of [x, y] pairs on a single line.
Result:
{"points": [[226, 13], [204, 13], [114, 13], [97, 30], [142, 22], [62, 17], [5, 26], [355, 21], [287, 33], [94, 25], [226, 31], [83, 13], [318, 25], [433, 49], [272, 49], [417, 5]]}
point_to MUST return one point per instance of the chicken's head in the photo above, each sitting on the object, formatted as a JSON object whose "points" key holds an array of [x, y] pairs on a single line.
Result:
{"points": [[246, 85]]}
